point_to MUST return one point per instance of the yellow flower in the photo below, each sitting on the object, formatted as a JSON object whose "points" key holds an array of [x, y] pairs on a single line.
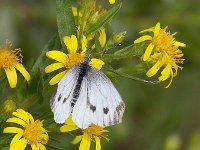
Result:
{"points": [[32, 132], [92, 133], [10, 61], [111, 1], [73, 57], [162, 51]]}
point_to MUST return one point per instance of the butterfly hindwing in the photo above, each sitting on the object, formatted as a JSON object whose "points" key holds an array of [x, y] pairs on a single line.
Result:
{"points": [[99, 102], [61, 100]]}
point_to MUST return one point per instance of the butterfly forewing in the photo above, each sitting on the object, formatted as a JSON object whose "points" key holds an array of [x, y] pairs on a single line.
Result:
{"points": [[61, 100], [99, 102]]}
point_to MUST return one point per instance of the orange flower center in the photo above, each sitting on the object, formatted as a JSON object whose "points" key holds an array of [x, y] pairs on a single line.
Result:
{"points": [[163, 40], [9, 58], [35, 133], [74, 58], [94, 130]]}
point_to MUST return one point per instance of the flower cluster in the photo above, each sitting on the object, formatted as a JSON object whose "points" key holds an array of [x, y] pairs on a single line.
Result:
{"points": [[162, 51]]}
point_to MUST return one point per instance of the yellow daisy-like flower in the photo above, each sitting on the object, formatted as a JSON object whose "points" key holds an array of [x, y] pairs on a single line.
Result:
{"points": [[162, 51], [10, 61], [92, 133], [32, 132], [73, 57], [111, 1]]}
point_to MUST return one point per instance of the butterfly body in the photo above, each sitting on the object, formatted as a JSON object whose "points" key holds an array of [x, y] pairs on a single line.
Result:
{"points": [[89, 95], [84, 67]]}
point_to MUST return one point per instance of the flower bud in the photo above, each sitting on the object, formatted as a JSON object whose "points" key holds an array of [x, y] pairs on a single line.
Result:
{"points": [[6, 109], [116, 38]]}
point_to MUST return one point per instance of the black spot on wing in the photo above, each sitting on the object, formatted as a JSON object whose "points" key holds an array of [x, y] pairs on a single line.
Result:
{"points": [[65, 99], [93, 108], [105, 110], [120, 107], [119, 113], [59, 98]]}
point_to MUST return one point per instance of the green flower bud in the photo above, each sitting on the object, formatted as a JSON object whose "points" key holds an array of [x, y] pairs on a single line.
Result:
{"points": [[93, 19], [6, 109], [116, 38]]}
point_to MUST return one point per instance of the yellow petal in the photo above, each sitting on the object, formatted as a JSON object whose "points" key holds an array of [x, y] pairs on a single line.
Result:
{"points": [[75, 11], [69, 121], [147, 30], [77, 139], [17, 120], [23, 71], [13, 130], [34, 147], [143, 38], [170, 79], [53, 67], [85, 143], [20, 113], [57, 78], [19, 145], [12, 76], [165, 74], [97, 63], [148, 52], [111, 1], [68, 42], [57, 55], [30, 117], [180, 44], [157, 29], [74, 44], [153, 70], [68, 128], [98, 144], [41, 146], [84, 44], [16, 138], [102, 37]]}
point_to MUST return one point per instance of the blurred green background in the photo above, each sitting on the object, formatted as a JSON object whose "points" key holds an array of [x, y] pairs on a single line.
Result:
{"points": [[155, 118]]}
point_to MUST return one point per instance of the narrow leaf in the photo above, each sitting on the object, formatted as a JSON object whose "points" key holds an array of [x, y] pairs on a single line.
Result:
{"points": [[65, 19], [130, 76], [54, 43]]}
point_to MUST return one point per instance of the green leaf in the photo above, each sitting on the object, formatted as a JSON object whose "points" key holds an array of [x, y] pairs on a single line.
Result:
{"points": [[126, 52], [104, 19], [36, 85], [5, 140], [130, 76], [54, 43], [3, 81], [65, 19], [97, 43], [51, 147], [139, 68], [132, 50]]}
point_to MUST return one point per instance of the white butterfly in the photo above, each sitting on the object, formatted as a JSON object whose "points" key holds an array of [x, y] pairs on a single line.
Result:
{"points": [[89, 95]]}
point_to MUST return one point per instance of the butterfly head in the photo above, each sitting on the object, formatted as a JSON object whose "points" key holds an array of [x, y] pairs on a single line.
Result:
{"points": [[87, 60]]}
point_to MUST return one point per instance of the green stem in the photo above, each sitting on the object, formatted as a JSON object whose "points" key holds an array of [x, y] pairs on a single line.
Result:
{"points": [[131, 77], [83, 19]]}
